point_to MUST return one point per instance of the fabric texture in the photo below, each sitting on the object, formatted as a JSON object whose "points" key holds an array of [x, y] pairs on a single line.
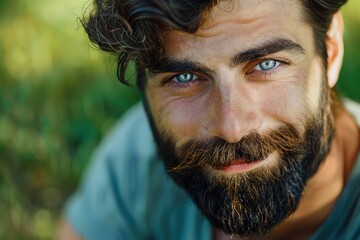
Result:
{"points": [[127, 194]]}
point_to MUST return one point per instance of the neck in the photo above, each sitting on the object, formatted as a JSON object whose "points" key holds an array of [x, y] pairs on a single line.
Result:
{"points": [[323, 189]]}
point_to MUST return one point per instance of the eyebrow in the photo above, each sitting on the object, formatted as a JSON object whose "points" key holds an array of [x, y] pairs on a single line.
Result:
{"points": [[178, 65], [170, 64], [269, 47]]}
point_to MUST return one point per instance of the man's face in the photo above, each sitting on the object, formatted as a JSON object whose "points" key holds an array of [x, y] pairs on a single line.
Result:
{"points": [[240, 111]]}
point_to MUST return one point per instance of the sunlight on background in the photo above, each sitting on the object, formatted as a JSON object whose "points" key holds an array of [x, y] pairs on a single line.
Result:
{"points": [[40, 35], [59, 96], [349, 82]]}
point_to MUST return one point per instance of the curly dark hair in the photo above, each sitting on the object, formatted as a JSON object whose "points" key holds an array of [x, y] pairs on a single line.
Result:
{"points": [[132, 29]]}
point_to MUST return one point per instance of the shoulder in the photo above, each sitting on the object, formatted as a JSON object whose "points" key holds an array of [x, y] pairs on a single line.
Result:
{"points": [[137, 197], [131, 133], [344, 220], [127, 158], [354, 109], [115, 180]]}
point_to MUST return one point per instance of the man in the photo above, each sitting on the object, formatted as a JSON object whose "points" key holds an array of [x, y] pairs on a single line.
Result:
{"points": [[238, 94]]}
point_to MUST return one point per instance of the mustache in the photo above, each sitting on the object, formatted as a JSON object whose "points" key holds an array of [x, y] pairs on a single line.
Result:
{"points": [[254, 146]]}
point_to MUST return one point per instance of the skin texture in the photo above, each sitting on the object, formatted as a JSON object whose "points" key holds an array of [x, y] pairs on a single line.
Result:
{"points": [[210, 106], [228, 100]]}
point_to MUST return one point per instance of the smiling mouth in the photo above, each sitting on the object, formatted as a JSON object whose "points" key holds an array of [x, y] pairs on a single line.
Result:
{"points": [[241, 166]]}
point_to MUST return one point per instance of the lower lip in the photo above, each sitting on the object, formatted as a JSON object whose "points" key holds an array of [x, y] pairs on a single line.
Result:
{"points": [[240, 167]]}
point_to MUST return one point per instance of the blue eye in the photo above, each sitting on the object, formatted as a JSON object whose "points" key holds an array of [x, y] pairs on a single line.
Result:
{"points": [[185, 77], [267, 65]]}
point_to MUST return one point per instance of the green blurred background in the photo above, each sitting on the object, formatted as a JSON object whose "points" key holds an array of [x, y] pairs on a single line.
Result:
{"points": [[59, 96]]}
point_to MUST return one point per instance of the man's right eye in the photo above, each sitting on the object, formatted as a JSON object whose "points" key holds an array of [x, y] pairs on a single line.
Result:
{"points": [[185, 77]]}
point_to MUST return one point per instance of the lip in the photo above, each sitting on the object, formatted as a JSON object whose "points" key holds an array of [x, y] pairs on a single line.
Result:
{"points": [[239, 166]]}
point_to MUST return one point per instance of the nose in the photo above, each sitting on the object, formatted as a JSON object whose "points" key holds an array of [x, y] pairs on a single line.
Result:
{"points": [[231, 112]]}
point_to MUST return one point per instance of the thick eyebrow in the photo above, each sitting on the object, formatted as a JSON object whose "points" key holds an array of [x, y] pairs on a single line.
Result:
{"points": [[269, 47], [178, 65], [170, 64]]}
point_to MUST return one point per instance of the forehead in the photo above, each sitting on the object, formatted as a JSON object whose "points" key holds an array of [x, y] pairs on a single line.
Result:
{"points": [[240, 24], [247, 11]]}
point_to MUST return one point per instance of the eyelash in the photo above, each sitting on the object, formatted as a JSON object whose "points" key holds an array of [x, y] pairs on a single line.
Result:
{"points": [[255, 73], [182, 85], [266, 73]]}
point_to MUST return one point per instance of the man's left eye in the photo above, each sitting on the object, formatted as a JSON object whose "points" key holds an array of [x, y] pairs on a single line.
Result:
{"points": [[267, 65]]}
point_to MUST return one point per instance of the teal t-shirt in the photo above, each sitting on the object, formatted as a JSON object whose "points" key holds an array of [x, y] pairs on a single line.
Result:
{"points": [[127, 194]]}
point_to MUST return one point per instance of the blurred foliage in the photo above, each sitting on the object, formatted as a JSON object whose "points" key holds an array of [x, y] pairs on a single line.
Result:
{"points": [[58, 97], [349, 81]]}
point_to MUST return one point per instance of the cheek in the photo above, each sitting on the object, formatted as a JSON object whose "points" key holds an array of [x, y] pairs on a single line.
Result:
{"points": [[314, 85], [285, 102], [297, 95], [177, 118]]}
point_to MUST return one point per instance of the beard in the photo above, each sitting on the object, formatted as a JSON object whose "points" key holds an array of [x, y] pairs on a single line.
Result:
{"points": [[256, 201]]}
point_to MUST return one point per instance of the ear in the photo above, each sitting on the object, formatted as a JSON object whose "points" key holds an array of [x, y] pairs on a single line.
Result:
{"points": [[335, 48]]}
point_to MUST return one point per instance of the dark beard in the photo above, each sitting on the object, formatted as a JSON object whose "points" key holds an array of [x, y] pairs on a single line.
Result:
{"points": [[247, 203], [256, 201]]}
